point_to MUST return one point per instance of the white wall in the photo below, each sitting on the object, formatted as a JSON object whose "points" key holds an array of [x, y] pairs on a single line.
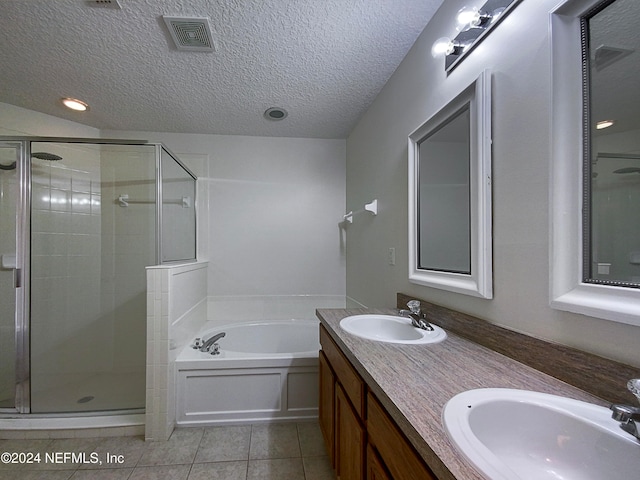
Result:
{"points": [[271, 227], [19, 121], [518, 53]]}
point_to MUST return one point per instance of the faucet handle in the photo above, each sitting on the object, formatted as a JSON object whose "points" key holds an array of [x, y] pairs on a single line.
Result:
{"points": [[414, 306], [634, 387]]}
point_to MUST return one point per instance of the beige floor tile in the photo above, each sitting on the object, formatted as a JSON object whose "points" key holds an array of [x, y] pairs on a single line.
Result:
{"points": [[311, 441], [219, 470], [164, 472], [25, 446], [109, 474], [278, 451], [227, 443], [276, 469], [276, 440], [181, 448], [317, 468], [36, 474], [119, 452]]}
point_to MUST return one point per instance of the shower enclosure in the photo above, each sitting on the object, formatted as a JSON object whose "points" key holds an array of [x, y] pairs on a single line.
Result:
{"points": [[80, 219]]}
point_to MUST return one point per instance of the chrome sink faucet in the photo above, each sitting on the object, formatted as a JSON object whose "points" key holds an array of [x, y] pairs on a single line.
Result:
{"points": [[628, 416], [418, 319]]}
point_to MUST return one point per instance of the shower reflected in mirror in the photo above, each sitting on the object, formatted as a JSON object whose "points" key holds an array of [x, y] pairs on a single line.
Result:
{"points": [[612, 159]]}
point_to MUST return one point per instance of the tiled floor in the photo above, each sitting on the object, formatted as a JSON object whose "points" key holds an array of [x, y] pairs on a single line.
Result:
{"points": [[282, 451]]}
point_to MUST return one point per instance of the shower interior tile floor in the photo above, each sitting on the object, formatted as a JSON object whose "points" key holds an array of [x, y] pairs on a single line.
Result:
{"points": [[103, 391], [278, 451]]}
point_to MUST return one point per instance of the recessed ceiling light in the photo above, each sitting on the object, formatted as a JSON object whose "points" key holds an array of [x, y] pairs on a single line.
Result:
{"points": [[604, 124], [75, 104], [275, 113]]}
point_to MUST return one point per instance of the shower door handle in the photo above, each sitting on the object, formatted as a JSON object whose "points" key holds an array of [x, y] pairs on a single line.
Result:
{"points": [[17, 277]]}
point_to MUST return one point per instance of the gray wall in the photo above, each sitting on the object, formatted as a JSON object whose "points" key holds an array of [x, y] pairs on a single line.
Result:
{"points": [[518, 53]]}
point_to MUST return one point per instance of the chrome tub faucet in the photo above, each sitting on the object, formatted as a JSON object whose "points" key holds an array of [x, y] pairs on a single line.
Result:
{"points": [[210, 345], [628, 416]]}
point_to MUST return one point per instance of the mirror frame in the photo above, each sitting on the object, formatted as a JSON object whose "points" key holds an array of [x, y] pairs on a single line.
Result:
{"points": [[568, 291], [480, 282]]}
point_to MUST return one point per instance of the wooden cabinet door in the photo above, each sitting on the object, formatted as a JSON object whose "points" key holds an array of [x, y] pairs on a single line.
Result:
{"points": [[349, 435], [375, 469], [326, 405], [402, 462]]}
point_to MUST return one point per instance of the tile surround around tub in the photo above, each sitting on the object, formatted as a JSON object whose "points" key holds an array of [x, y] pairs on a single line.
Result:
{"points": [[176, 310]]}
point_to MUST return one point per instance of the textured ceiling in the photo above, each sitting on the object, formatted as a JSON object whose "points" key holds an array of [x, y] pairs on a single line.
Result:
{"points": [[322, 60]]}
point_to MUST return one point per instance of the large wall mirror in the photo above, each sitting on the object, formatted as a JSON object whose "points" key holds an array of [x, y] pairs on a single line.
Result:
{"points": [[612, 152], [596, 159], [450, 195]]}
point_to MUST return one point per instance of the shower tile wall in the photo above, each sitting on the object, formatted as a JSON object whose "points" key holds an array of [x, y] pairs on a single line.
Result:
{"points": [[130, 232], [88, 277], [66, 244], [176, 310]]}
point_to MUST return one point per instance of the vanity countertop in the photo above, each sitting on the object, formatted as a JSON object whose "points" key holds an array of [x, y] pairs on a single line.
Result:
{"points": [[414, 382]]}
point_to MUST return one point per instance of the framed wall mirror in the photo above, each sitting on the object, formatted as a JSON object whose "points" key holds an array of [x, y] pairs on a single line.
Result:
{"points": [[595, 188], [612, 150], [450, 195]]}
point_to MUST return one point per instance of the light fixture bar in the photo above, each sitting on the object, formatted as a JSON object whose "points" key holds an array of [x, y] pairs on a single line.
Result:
{"points": [[473, 25]]}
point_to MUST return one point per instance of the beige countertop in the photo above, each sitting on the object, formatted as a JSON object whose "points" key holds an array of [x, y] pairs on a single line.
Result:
{"points": [[414, 382]]}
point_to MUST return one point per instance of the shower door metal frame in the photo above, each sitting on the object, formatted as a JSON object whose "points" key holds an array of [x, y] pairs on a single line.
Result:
{"points": [[23, 248], [21, 275], [159, 254], [23, 254]]}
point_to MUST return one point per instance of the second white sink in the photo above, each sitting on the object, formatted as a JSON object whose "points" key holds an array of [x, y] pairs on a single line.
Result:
{"points": [[390, 329], [522, 435]]}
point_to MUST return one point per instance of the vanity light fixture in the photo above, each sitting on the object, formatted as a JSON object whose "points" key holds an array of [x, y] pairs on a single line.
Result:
{"points": [[75, 104], [472, 25], [605, 124]]}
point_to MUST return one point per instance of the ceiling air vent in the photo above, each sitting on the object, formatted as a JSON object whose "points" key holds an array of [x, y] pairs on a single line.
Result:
{"points": [[607, 55], [190, 33], [114, 4]]}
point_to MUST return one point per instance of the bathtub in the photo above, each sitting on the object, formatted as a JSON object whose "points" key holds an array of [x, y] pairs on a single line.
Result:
{"points": [[265, 371]]}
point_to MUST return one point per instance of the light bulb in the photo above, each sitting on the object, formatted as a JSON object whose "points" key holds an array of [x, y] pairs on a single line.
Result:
{"points": [[454, 48], [75, 104], [472, 18], [604, 124], [440, 47]]}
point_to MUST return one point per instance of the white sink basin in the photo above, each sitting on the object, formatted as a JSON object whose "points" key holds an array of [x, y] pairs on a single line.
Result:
{"points": [[517, 434], [391, 329]]}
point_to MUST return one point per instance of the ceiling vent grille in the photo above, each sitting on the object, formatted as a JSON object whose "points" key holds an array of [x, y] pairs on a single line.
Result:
{"points": [[607, 55], [190, 33], [114, 4]]}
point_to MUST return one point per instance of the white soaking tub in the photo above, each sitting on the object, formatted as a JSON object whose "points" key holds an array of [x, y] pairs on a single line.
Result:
{"points": [[265, 371]]}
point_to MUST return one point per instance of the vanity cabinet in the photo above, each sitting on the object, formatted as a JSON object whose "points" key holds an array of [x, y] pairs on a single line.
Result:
{"points": [[375, 467], [396, 453], [362, 440], [342, 404]]}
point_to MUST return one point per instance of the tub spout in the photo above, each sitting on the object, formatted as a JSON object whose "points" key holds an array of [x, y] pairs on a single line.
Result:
{"points": [[211, 342]]}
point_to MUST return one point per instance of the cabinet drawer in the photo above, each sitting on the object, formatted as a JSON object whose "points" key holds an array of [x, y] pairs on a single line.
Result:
{"points": [[398, 455], [345, 373]]}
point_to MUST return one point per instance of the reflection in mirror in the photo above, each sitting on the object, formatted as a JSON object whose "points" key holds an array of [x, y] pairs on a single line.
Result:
{"points": [[443, 197], [612, 153], [450, 195]]}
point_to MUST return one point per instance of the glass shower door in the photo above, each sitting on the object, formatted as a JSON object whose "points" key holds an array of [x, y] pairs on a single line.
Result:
{"points": [[93, 230], [9, 185]]}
